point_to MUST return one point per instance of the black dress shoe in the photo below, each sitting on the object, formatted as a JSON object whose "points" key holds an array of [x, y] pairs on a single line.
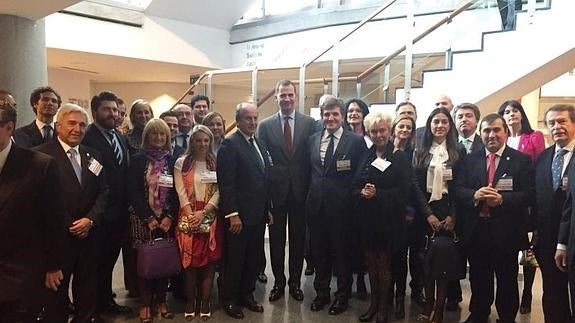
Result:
{"points": [[319, 303], [113, 308], [451, 305], [276, 293], [252, 305], [418, 298], [262, 278], [233, 311], [338, 307], [296, 293], [360, 287], [472, 319], [309, 271]]}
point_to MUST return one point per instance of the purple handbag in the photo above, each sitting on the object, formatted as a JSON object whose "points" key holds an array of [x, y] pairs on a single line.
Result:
{"points": [[159, 258]]}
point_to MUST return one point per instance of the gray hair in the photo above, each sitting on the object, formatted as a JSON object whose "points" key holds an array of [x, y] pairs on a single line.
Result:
{"points": [[375, 117], [68, 108]]}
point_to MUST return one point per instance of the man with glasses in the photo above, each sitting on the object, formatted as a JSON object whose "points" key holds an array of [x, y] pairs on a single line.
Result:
{"points": [[185, 124], [45, 102]]}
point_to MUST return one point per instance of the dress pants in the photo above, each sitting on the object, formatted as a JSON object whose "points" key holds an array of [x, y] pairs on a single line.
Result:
{"points": [[242, 254], [129, 261], [412, 254], [81, 264], [488, 260], [292, 215], [556, 306], [111, 235], [330, 250]]}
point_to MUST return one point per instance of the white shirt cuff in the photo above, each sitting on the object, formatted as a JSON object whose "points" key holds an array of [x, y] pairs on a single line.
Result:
{"points": [[230, 215], [561, 246]]}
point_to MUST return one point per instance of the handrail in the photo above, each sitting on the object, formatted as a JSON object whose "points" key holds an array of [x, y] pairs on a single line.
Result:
{"points": [[387, 59], [358, 26], [189, 90]]}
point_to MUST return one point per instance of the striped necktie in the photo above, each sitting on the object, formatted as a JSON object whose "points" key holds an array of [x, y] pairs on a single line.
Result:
{"points": [[115, 147]]}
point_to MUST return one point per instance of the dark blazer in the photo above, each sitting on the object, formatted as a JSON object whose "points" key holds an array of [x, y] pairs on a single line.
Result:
{"points": [[242, 184], [138, 187], [32, 134], [287, 171], [508, 220], [549, 206], [477, 144], [86, 200], [31, 223], [328, 187], [566, 233], [116, 175], [383, 215]]}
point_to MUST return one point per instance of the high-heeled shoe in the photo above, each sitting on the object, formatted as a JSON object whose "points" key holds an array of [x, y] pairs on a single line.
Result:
{"points": [[205, 311], [189, 316], [145, 315], [164, 311]]}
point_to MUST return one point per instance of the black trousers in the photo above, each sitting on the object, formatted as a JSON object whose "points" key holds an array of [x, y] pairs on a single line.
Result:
{"points": [[487, 261], [292, 215], [111, 237], [330, 250], [412, 254], [81, 264], [129, 260], [242, 256], [556, 306]]}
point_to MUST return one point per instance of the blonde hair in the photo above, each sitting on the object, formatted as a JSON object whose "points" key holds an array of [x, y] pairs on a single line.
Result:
{"points": [[375, 117], [158, 126], [197, 129]]}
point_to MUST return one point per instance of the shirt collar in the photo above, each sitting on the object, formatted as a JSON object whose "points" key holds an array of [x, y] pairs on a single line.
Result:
{"points": [[498, 153], [246, 137], [470, 138], [41, 124], [291, 115], [67, 147], [570, 146], [337, 134]]}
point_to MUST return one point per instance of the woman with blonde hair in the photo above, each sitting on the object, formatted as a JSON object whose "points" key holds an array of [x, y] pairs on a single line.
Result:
{"points": [[199, 233]]}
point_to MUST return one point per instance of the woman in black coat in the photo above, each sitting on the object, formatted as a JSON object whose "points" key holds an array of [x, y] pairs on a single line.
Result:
{"points": [[381, 187]]}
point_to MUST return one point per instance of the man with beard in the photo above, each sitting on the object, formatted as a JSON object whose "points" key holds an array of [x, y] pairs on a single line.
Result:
{"points": [[200, 107], [45, 102]]}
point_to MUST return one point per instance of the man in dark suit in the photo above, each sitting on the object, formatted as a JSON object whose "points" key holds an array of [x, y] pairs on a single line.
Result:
{"points": [[494, 190], [113, 227], [243, 165], [285, 134], [84, 194], [45, 102], [32, 228], [334, 157], [551, 167]]}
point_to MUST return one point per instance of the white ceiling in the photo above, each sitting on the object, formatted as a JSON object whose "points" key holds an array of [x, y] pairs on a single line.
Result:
{"points": [[33, 9]]}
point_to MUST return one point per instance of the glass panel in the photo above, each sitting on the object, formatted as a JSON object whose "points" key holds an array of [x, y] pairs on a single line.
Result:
{"points": [[228, 90], [273, 7], [267, 79]]}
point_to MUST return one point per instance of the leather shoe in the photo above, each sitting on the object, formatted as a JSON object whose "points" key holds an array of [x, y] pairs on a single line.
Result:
{"points": [[309, 271], [252, 305], [451, 305], [418, 298], [319, 303], [262, 278], [296, 293], [276, 293], [472, 319], [113, 308], [338, 307], [233, 311]]}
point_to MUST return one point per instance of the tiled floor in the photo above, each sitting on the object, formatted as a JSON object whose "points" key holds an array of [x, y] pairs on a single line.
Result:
{"points": [[288, 310]]}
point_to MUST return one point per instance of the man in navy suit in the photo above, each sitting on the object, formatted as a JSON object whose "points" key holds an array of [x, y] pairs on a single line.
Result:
{"points": [[243, 166], [286, 134], [84, 188], [334, 157], [32, 231], [45, 102], [113, 227], [494, 190]]}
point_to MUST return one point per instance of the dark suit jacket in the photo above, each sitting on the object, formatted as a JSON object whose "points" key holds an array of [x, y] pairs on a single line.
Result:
{"points": [[242, 184], [287, 171], [86, 200], [31, 223], [566, 233], [549, 206], [32, 134], [477, 144], [117, 206], [508, 221], [331, 188]]}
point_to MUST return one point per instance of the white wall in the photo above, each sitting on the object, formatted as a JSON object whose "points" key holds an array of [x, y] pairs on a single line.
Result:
{"points": [[72, 86]]}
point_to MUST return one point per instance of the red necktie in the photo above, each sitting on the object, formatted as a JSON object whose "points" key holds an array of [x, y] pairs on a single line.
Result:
{"points": [[490, 176], [287, 135]]}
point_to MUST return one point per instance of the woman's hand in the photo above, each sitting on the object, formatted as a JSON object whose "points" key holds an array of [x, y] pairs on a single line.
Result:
{"points": [[434, 223], [153, 224], [196, 218], [166, 224], [368, 191], [448, 223]]}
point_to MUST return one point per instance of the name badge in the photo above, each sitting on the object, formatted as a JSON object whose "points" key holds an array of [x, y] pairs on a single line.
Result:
{"points": [[94, 166], [505, 184], [166, 180], [381, 164], [343, 165], [208, 177], [447, 174], [564, 183]]}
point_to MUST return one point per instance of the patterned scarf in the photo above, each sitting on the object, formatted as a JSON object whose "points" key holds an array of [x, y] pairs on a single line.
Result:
{"points": [[157, 159]]}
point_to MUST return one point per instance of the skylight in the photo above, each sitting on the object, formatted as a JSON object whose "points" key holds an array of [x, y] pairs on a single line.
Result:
{"points": [[136, 5]]}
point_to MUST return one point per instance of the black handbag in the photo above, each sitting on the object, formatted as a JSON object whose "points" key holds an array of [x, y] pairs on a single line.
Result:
{"points": [[442, 256], [158, 258]]}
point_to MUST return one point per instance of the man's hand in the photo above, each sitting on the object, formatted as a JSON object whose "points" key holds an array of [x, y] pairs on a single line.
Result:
{"points": [[165, 224], [434, 223], [484, 193], [368, 191], [53, 279], [448, 223], [153, 224], [270, 219], [494, 200], [561, 260], [235, 224], [81, 227]]}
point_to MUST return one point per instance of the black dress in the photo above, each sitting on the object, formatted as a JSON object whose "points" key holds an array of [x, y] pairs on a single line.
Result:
{"points": [[381, 218]]}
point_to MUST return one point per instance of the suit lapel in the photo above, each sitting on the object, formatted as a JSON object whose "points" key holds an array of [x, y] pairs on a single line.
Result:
{"points": [[547, 161], [503, 167], [62, 156], [338, 153], [85, 159], [279, 134], [10, 176], [481, 168], [297, 132], [248, 149]]}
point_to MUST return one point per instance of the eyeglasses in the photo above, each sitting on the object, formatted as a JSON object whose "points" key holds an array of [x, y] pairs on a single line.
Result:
{"points": [[6, 102]]}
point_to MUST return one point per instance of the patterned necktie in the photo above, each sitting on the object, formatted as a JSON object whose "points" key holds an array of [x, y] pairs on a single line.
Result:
{"points": [[46, 133], [557, 168], [184, 138], [287, 135], [115, 147], [77, 168], [490, 176], [256, 154], [329, 152]]}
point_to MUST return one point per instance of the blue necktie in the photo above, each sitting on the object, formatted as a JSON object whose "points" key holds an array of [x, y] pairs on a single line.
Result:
{"points": [[557, 168], [77, 168], [115, 147]]}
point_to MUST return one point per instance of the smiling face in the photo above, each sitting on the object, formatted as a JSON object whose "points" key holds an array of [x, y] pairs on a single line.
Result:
{"points": [[561, 127], [379, 134], [157, 139], [403, 129], [286, 98], [141, 115], [493, 134], [354, 114], [332, 119], [184, 113], [47, 105], [106, 114], [248, 120], [200, 143], [216, 126], [172, 123], [440, 127], [200, 110], [72, 128]]}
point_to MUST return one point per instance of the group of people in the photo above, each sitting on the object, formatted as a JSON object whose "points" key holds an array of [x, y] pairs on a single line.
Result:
{"points": [[355, 192]]}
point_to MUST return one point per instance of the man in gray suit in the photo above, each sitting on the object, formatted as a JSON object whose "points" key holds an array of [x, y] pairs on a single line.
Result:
{"points": [[286, 133]]}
